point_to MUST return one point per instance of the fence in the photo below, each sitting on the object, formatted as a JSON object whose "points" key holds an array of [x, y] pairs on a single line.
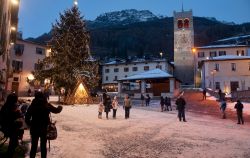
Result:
{"points": [[242, 95]]}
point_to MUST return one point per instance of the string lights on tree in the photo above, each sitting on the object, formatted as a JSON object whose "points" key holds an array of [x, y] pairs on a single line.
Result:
{"points": [[69, 54]]}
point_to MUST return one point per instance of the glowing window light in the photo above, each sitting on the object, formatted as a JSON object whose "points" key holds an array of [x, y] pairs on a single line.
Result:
{"points": [[15, 2], [13, 28]]}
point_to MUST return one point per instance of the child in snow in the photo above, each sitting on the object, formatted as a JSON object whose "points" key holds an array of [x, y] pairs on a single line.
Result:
{"points": [[100, 110]]}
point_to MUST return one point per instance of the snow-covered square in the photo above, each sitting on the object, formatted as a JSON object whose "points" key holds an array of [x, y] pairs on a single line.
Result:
{"points": [[147, 133]]}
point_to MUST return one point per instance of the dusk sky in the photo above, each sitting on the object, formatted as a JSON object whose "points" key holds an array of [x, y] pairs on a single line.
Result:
{"points": [[37, 16]]}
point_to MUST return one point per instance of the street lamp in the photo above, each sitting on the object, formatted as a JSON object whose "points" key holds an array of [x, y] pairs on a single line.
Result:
{"points": [[75, 2], [213, 72], [161, 54], [194, 53]]}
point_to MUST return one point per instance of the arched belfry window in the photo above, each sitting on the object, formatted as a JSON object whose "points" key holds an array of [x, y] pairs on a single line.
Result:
{"points": [[180, 23], [186, 23]]}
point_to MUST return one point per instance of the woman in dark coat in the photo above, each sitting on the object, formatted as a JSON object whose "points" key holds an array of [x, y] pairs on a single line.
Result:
{"points": [[37, 117], [11, 123], [107, 104]]}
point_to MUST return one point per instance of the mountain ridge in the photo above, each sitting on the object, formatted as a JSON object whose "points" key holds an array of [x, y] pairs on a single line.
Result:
{"points": [[113, 37]]}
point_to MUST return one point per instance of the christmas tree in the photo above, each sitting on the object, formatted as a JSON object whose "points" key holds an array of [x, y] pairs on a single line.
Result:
{"points": [[70, 58]]}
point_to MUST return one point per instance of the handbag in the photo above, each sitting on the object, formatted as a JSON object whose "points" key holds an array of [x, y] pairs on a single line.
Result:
{"points": [[51, 129]]}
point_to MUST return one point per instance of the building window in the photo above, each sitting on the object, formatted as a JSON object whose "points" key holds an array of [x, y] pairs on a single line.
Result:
{"points": [[19, 48], [201, 54], [180, 23], [115, 79], [16, 79], [17, 66], [222, 53], [125, 76], [146, 68], [40, 51], [217, 67], [38, 66], [186, 23], [106, 70], [242, 53], [116, 69], [233, 66], [135, 69], [217, 85], [213, 54], [107, 78], [126, 69], [158, 66]]}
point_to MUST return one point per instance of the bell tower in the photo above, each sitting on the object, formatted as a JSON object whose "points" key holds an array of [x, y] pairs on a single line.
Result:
{"points": [[183, 44]]}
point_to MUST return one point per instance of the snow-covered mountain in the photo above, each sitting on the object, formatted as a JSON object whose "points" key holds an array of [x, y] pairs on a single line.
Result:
{"points": [[125, 17], [224, 22]]}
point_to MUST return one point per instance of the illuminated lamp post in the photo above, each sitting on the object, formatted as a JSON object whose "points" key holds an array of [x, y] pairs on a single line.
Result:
{"points": [[161, 54], [194, 54]]}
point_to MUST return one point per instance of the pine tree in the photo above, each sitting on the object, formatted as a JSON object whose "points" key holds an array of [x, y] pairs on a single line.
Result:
{"points": [[70, 57]]}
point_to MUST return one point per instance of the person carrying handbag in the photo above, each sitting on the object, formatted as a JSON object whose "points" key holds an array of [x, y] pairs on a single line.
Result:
{"points": [[37, 118]]}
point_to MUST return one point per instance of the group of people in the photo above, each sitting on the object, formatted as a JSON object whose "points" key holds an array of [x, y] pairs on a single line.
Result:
{"points": [[239, 110], [106, 105], [147, 100], [36, 117], [165, 104], [223, 105]]}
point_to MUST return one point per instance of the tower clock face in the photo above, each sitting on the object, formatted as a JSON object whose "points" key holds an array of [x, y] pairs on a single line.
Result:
{"points": [[183, 40]]}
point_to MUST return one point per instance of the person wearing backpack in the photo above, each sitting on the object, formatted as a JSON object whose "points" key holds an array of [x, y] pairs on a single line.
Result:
{"points": [[37, 118], [11, 122]]}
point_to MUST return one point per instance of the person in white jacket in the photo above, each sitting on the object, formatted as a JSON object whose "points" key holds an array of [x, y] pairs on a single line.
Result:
{"points": [[115, 106]]}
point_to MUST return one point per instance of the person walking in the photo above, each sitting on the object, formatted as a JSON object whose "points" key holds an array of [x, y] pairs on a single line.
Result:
{"points": [[127, 106], [180, 106], [37, 118], [107, 104], [142, 100], [239, 108], [147, 100], [223, 106], [204, 92], [220, 94], [115, 106], [162, 103], [168, 103], [11, 122]]}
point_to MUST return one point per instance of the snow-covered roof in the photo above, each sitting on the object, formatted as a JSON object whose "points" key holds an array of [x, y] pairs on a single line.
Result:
{"points": [[233, 38], [228, 57], [133, 61], [221, 46], [155, 73]]}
